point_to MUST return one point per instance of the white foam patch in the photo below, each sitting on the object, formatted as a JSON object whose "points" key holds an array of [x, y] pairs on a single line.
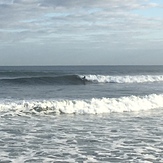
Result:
{"points": [[92, 106], [124, 79]]}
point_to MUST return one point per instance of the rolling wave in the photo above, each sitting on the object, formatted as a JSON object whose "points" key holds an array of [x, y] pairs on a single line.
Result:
{"points": [[89, 106], [78, 79], [43, 80]]}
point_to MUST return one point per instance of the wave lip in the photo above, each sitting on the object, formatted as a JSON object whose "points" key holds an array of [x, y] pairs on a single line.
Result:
{"points": [[92, 106], [124, 79]]}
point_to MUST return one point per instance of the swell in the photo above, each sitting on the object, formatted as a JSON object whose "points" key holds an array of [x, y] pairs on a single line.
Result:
{"points": [[87, 106], [45, 80]]}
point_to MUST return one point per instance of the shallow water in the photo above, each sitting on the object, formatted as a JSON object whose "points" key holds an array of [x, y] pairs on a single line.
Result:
{"points": [[127, 137]]}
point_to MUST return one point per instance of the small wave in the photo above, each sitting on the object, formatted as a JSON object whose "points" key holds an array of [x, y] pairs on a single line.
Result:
{"points": [[124, 79], [92, 106]]}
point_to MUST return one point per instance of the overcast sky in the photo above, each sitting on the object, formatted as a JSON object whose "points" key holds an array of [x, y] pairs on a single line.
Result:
{"points": [[81, 32]]}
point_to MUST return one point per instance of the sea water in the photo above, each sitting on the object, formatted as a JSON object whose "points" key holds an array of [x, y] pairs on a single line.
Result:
{"points": [[81, 114]]}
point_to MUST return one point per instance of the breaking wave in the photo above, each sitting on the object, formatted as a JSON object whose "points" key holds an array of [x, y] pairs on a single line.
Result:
{"points": [[89, 106], [124, 79], [78, 79]]}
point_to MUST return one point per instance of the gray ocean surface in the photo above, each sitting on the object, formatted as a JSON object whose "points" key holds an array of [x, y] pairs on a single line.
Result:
{"points": [[81, 114]]}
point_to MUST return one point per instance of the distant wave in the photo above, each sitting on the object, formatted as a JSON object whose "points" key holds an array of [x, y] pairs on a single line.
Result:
{"points": [[89, 106], [124, 79], [78, 79]]}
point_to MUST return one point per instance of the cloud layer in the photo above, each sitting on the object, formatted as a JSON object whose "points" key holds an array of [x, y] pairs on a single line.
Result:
{"points": [[82, 23]]}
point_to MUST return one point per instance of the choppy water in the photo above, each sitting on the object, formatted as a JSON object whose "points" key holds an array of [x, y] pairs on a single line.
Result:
{"points": [[50, 114]]}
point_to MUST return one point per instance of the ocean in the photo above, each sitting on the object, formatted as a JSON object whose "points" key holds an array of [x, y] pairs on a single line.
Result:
{"points": [[81, 114]]}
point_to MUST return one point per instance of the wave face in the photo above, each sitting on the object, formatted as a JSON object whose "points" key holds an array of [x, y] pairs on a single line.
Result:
{"points": [[124, 79], [44, 80], [92, 106], [78, 79]]}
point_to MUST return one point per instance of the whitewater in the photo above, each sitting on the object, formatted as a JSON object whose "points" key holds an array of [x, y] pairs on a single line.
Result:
{"points": [[92, 106], [125, 79], [81, 114]]}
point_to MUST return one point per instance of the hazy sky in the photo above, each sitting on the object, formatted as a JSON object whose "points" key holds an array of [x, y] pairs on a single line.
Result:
{"points": [[81, 32]]}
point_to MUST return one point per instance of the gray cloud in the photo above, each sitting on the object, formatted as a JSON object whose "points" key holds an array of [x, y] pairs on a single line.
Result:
{"points": [[81, 24]]}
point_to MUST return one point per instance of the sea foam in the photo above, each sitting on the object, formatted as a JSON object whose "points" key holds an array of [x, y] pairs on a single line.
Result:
{"points": [[87, 106]]}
